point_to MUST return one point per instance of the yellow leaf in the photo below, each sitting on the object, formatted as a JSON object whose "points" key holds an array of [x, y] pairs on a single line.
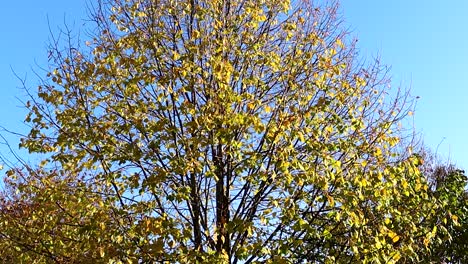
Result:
{"points": [[339, 43], [378, 245], [331, 200], [175, 55], [426, 241], [396, 257], [378, 152], [301, 137], [417, 187], [393, 236], [338, 217], [195, 34], [363, 182], [404, 183]]}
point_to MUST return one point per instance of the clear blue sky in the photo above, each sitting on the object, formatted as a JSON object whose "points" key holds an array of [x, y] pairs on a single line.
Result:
{"points": [[424, 42]]}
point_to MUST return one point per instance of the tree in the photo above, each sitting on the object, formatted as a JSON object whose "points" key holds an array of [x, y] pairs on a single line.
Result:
{"points": [[449, 216], [48, 218], [229, 131]]}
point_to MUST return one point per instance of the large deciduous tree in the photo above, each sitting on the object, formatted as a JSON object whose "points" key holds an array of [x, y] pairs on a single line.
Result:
{"points": [[235, 131]]}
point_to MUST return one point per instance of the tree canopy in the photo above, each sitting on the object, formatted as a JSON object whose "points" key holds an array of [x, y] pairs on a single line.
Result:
{"points": [[449, 214], [236, 131]]}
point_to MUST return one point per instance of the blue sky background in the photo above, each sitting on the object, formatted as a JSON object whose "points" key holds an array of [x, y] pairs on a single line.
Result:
{"points": [[425, 42]]}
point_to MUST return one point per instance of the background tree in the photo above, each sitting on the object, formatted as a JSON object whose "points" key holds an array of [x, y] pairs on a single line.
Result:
{"points": [[449, 214], [229, 131], [49, 218]]}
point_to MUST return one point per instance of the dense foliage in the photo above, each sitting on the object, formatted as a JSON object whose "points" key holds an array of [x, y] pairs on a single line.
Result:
{"points": [[234, 131], [449, 215]]}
